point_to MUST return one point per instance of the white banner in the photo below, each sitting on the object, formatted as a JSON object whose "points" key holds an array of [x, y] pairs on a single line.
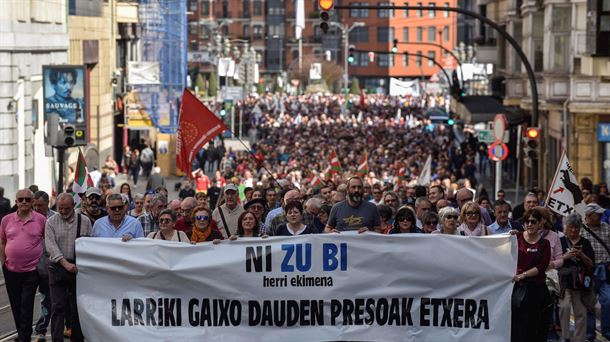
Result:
{"points": [[565, 196], [143, 73], [403, 88], [410, 287]]}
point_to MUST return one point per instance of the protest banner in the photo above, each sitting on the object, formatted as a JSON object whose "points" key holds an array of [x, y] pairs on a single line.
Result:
{"points": [[306, 288], [564, 196]]}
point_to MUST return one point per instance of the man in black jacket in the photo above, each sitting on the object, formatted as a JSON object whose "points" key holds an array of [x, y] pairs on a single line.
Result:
{"points": [[5, 204]]}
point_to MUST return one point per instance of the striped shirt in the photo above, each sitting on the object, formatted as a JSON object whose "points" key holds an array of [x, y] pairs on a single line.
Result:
{"points": [[60, 236], [603, 231]]}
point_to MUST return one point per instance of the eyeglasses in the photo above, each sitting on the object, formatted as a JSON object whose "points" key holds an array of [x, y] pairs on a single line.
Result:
{"points": [[94, 197], [531, 221], [165, 220], [202, 217], [472, 213], [451, 217], [24, 199], [256, 207], [432, 223], [116, 208]]}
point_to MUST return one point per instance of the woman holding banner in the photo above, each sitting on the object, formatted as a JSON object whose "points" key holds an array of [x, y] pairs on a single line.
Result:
{"points": [[247, 226], [448, 218], [404, 222], [531, 298], [203, 230], [167, 231], [295, 225]]}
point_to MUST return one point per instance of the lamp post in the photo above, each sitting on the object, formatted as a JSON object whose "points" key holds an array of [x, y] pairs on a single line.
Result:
{"points": [[345, 34]]}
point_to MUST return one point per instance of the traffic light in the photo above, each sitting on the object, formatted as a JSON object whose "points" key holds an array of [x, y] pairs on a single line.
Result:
{"points": [[325, 6], [451, 122], [68, 136], [395, 46], [530, 147], [351, 59]]}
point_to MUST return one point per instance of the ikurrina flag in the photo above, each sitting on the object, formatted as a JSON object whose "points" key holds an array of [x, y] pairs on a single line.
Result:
{"points": [[315, 182], [335, 164], [363, 165], [82, 180], [198, 125], [565, 196]]}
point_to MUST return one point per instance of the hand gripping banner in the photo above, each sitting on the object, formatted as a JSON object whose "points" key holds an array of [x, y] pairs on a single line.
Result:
{"points": [[411, 287]]}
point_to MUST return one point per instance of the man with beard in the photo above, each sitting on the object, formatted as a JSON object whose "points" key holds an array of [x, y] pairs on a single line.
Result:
{"points": [[60, 234], [92, 209], [354, 213]]}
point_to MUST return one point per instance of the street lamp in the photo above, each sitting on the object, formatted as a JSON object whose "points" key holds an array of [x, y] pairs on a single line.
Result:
{"points": [[345, 33]]}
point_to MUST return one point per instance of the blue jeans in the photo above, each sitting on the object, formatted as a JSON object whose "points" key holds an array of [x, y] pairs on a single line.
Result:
{"points": [[602, 289], [45, 306]]}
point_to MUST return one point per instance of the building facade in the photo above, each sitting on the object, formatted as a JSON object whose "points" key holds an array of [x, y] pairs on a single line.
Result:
{"points": [[34, 33]]}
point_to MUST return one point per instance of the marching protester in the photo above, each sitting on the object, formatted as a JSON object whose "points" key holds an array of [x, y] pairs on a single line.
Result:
{"points": [[91, 205], [138, 207], [449, 221], [472, 222], [430, 221], [60, 234], [342, 213], [258, 206], [117, 223], [294, 225], [21, 235], [599, 237], [126, 190], [150, 220], [185, 213], [202, 229], [503, 224], [576, 279], [404, 222], [247, 226], [226, 215], [167, 225], [531, 304]]}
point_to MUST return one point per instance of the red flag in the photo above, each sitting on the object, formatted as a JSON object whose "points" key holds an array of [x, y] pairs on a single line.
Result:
{"points": [[198, 125], [362, 99], [335, 164], [363, 165]]}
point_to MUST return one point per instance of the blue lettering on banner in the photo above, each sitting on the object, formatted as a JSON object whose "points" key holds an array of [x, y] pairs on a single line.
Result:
{"points": [[603, 132], [329, 256], [303, 263]]}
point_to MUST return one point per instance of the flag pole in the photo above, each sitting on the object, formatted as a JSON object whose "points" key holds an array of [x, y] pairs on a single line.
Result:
{"points": [[548, 193]]}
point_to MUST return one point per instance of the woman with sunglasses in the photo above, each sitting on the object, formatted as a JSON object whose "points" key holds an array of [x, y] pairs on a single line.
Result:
{"points": [[531, 298], [429, 222], [167, 231], [448, 217], [203, 230], [404, 222], [472, 221]]}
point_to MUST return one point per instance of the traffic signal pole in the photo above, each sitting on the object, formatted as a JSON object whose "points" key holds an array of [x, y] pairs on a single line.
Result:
{"points": [[528, 67], [61, 159]]}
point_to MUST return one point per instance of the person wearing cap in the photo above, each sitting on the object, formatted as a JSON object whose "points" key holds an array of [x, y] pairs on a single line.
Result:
{"points": [[258, 207], [226, 215], [117, 223], [593, 215], [93, 209]]}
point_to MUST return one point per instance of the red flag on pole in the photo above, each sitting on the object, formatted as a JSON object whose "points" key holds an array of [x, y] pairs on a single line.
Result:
{"points": [[198, 125]]}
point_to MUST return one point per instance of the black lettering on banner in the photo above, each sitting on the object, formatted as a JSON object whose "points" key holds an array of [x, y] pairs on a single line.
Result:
{"points": [[160, 311], [483, 316], [255, 257], [370, 310], [436, 302], [382, 311], [394, 317], [447, 305], [206, 314], [470, 310], [458, 312], [151, 307], [235, 313], [280, 314], [424, 311], [169, 305], [267, 318], [292, 313], [193, 312], [348, 310], [407, 303], [254, 313], [358, 311], [304, 313], [115, 321], [224, 312], [335, 311], [317, 312], [138, 309], [126, 312]]}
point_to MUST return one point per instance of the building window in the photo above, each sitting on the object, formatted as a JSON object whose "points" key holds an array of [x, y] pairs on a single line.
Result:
{"points": [[359, 35], [383, 34], [420, 12], [405, 59], [193, 6], [257, 7], [246, 9], [362, 58], [431, 58], [276, 30], [405, 34], [538, 41], [205, 8], [225, 9], [432, 34], [359, 13], [446, 13], [418, 59], [385, 60], [446, 33], [385, 13], [420, 34], [406, 12], [561, 25], [432, 13], [257, 32], [246, 31], [193, 27], [194, 46]]}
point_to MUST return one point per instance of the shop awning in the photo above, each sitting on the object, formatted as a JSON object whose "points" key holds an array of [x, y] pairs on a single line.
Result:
{"points": [[474, 109]]}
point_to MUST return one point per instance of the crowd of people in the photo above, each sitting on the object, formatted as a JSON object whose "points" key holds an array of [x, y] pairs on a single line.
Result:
{"points": [[285, 187]]}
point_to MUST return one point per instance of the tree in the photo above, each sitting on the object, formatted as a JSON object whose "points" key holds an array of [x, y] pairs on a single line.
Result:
{"points": [[200, 82], [354, 87], [260, 88], [213, 85]]}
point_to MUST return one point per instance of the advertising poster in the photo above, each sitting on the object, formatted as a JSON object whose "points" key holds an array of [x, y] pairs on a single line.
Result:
{"points": [[64, 93]]}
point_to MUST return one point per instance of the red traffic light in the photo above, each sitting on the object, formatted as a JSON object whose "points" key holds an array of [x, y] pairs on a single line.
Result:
{"points": [[532, 132], [326, 5]]}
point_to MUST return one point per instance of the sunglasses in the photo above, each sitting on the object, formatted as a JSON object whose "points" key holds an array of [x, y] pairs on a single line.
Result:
{"points": [[116, 208], [94, 197], [531, 221], [451, 217], [406, 218], [24, 199], [432, 223], [165, 220], [472, 213], [202, 217]]}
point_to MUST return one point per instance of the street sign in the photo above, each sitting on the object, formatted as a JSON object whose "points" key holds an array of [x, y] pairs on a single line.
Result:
{"points": [[499, 126], [487, 136], [497, 152], [233, 93], [315, 71]]}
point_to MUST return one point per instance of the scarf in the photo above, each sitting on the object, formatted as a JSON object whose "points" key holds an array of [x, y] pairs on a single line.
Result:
{"points": [[201, 235]]}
